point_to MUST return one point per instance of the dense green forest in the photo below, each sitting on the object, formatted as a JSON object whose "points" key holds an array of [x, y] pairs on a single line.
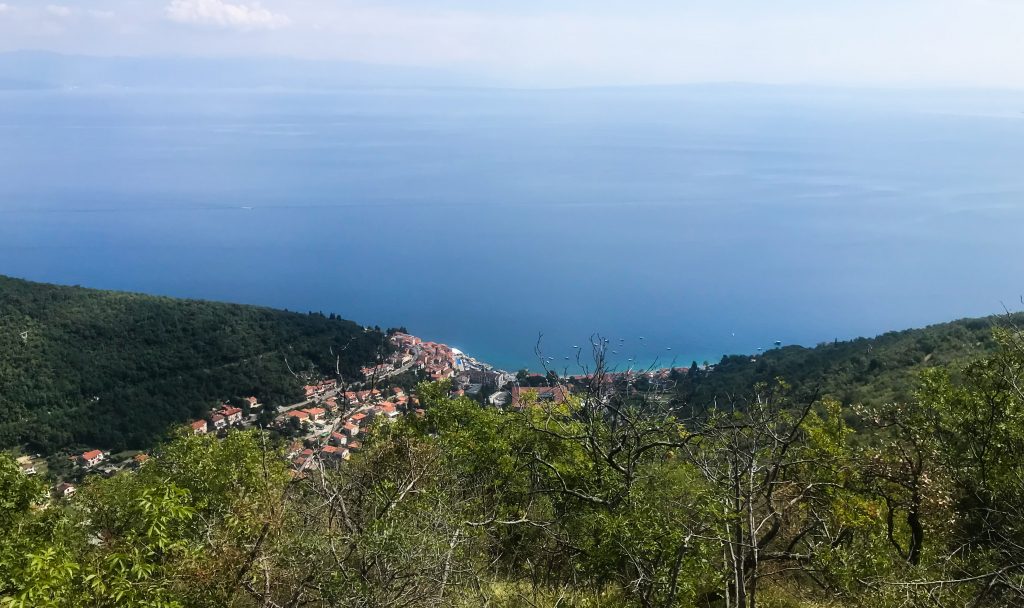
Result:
{"points": [[81, 367], [614, 498], [870, 371]]}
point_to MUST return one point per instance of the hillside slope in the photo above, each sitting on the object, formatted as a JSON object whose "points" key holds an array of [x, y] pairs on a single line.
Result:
{"points": [[81, 367], [875, 370]]}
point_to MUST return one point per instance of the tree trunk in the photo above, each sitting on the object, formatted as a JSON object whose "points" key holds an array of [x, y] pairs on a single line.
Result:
{"points": [[916, 530]]}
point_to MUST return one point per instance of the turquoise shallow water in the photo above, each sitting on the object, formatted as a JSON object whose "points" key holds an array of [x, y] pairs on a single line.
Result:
{"points": [[708, 220]]}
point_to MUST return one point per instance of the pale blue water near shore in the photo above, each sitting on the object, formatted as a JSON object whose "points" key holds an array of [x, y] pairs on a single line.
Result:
{"points": [[710, 220]]}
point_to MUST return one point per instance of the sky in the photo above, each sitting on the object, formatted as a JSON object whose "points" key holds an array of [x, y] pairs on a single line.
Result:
{"points": [[969, 43]]}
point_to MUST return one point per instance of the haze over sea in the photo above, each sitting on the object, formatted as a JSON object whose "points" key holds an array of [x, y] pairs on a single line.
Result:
{"points": [[710, 220]]}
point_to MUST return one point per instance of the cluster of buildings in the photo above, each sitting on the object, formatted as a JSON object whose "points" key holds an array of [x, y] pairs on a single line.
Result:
{"points": [[336, 424], [224, 416], [521, 396], [438, 361], [657, 379], [470, 377], [320, 389], [93, 460], [478, 379]]}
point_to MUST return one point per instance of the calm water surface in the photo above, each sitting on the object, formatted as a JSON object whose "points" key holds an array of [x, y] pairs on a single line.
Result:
{"points": [[710, 221]]}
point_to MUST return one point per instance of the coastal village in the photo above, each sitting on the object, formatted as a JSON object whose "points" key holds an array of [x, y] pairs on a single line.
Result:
{"points": [[330, 424]]}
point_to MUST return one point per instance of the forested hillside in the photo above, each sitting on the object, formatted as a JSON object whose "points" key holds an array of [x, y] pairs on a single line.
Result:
{"points": [[81, 367], [867, 371]]}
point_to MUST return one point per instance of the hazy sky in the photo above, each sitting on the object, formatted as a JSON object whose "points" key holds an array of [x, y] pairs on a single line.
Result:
{"points": [[875, 42]]}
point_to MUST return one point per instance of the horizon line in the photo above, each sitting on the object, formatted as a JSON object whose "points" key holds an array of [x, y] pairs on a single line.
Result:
{"points": [[484, 82]]}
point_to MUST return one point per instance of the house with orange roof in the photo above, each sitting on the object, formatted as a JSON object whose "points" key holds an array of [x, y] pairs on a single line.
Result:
{"points": [[522, 395], [232, 414], [199, 427], [91, 458], [331, 452], [300, 415]]}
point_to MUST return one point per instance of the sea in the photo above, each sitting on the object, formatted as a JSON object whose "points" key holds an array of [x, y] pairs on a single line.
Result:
{"points": [[678, 223]]}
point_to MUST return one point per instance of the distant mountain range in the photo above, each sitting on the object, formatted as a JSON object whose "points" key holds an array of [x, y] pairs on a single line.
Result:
{"points": [[35, 70]]}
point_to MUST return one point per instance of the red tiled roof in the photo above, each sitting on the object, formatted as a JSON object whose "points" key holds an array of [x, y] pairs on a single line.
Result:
{"points": [[555, 394], [92, 455]]}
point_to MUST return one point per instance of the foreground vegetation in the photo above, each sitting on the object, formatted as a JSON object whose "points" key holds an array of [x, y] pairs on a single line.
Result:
{"points": [[87, 368], [611, 499]]}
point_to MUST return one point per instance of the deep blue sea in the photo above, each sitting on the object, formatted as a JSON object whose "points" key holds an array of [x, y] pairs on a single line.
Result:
{"points": [[709, 220]]}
